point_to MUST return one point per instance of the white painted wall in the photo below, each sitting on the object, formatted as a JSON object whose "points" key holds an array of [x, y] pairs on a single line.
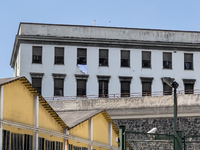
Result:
{"points": [[114, 70]]}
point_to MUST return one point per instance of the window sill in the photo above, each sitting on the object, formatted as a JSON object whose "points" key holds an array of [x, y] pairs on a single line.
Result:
{"points": [[189, 69], [125, 66], [146, 68], [168, 68], [58, 95], [103, 66], [36, 63], [59, 64]]}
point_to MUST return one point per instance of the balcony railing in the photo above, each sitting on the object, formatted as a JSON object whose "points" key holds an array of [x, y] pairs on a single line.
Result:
{"points": [[121, 95]]}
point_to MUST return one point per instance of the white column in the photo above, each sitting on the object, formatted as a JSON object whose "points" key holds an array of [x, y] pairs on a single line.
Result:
{"points": [[110, 133], [35, 121], [1, 116], [90, 133]]}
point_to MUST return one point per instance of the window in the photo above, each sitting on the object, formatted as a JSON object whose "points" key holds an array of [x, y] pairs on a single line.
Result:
{"points": [[146, 89], [103, 57], [58, 87], [189, 88], [146, 59], [125, 89], [81, 87], [40, 143], [37, 54], [49, 145], [146, 85], [103, 88], [103, 85], [189, 85], [167, 90], [59, 55], [37, 84], [6, 140], [188, 61], [125, 58], [37, 81], [167, 60], [81, 84], [17, 141], [59, 145], [58, 84], [81, 56], [125, 85], [28, 142]]}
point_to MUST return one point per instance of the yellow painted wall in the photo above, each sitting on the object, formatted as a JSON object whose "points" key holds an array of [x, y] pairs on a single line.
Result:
{"points": [[16, 130], [17, 103], [80, 130], [47, 121], [50, 138], [100, 129]]}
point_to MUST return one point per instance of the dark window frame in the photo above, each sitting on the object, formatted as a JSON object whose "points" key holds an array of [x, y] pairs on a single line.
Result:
{"points": [[103, 88], [36, 58], [59, 90], [167, 90], [81, 59], [79, 90], [146, 63], [167, 63], [38, 88], [188, 64], [103, 60], [125, 92], [125, 61], [58, 58]]}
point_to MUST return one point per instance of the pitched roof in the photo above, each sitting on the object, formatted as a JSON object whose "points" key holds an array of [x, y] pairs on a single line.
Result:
{"points": [[42, 101], [8, 80], [73, 118]]}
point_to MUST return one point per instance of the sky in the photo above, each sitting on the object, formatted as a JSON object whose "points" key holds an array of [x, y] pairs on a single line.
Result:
{"points": [[150, 14]]}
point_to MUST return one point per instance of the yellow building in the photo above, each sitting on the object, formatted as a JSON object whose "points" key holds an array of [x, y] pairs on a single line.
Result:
{"points": [[90, 130], [28, 122]]}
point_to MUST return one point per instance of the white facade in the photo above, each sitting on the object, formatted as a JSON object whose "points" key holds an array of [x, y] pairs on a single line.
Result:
{"points": [[114, 39]]}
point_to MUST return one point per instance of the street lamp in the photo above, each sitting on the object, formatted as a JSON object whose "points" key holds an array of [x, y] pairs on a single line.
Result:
{"points": [[177, 134]]}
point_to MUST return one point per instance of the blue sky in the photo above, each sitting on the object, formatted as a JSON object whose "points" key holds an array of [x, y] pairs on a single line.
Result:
{"points": [[151, 14]]}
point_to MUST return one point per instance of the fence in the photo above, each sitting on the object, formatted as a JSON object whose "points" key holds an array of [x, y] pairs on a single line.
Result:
{"points": [[119, 95]]}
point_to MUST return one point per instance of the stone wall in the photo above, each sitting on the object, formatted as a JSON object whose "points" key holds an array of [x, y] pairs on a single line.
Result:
{"points": [[188, 125]]}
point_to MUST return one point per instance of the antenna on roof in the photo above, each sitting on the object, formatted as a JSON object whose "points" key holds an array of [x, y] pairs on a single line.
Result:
{"points": [[94, 22], [109, 23]]}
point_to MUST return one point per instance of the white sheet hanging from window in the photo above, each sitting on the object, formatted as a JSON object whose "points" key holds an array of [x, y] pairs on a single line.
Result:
{"points": [[83, 68]]}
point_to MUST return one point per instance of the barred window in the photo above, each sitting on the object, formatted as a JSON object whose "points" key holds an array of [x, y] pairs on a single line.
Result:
{"points": [[6, 140], [37, 54], [125, 58], [146, 59], [188, 61], [17, 141], [167, 60], [103, 57], [59, 55], [81, 56]]}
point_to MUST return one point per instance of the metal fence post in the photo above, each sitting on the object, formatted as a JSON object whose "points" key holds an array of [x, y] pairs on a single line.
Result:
{"points": [[122, 145]]}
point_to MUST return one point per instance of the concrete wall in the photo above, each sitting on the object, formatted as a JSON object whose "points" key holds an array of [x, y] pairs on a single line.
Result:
{"points": [[114, 70], [135, 107]]}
